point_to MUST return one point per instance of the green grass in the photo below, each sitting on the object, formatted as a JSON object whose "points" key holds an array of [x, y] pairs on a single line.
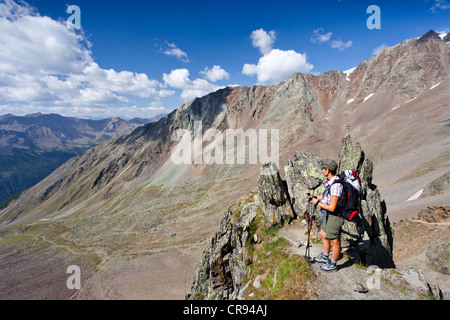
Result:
{"points": [[283, 275]]}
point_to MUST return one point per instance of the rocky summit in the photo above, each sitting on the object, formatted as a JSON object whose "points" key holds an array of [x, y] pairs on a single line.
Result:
{"points": [[137, 223]]}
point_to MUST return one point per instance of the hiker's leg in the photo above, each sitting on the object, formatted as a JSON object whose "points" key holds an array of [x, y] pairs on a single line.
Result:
{"points": [[336, 249], [325, 242]]}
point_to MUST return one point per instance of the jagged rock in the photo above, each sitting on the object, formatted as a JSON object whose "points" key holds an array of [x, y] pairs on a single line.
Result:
{"points": [[350, 156], [273, 195], [434, 290], [221, 270], [447, 37], [429, 35], [303, 175], [366, 172]]}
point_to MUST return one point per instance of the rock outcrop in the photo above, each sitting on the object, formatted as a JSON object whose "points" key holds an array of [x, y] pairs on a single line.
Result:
{"points": [[222, 267], [369, 242], [275, 201], [437, 186]]}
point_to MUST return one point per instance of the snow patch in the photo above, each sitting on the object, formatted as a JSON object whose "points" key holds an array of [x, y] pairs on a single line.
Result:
{"points": [[368, 97], [415, 195], [349, 72], [435, 86], [350, 101], [443, 35], [396, 107]]}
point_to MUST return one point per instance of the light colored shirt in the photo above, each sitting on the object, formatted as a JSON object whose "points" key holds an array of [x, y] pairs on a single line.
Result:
{"points": [[335, 190]]}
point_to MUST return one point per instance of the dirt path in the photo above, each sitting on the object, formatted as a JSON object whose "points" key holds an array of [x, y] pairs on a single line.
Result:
{"points": [[351, 281]]}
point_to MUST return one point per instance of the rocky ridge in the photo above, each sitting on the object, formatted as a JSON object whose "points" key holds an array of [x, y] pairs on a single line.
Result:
{"points": [[224, 264]]}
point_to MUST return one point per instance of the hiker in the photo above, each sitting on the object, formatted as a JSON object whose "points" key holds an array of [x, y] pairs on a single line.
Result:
{"points": [[330, 223]]}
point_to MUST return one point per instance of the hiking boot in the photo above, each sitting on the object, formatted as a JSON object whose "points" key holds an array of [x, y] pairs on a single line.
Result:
{"points": [[321, 258], [329, 267]]}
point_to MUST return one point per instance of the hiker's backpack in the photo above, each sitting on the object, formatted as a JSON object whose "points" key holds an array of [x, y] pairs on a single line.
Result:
{"points": [[349, 203]]}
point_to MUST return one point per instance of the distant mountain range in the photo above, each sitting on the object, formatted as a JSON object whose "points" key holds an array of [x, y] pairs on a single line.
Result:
{"points": [[32, 146]]}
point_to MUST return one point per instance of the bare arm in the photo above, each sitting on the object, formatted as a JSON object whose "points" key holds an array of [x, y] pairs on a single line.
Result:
{"points": [[329, 207]]}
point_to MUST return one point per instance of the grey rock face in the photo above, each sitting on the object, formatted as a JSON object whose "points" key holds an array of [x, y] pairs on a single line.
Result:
{"points": [[221, 270], [303, 176], [274, 197]]}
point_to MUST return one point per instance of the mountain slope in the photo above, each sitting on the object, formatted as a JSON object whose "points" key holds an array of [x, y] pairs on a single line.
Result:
{"points": [[33, 146], [128, 204]]}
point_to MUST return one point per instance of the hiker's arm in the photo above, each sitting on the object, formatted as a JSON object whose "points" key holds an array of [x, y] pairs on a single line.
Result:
{"points": [[315, 197], [329, 207]]}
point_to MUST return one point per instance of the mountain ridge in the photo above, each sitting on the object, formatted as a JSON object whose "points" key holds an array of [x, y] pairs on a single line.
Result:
{"points": [[125, 197], [35, 144]]}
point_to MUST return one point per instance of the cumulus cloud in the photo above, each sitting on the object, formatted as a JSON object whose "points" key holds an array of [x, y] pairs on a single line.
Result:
{"points": [[263, 40], [123, 82], [215, 74], [179, 78], [173, 50], [275, 65], [39, 45], [42, 61]]}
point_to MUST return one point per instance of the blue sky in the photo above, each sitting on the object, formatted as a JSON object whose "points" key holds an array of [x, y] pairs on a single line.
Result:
{"points": [[141, 58]]}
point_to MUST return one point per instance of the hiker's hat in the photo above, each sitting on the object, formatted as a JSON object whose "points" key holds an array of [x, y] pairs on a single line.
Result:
{"points": [[330, 164]]}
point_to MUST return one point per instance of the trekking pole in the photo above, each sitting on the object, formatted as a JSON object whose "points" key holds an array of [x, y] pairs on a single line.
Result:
{"points": [[309, 230], [310, 216]]}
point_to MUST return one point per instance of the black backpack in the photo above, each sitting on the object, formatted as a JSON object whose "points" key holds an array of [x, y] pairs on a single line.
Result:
{"points": [[349, 203]]}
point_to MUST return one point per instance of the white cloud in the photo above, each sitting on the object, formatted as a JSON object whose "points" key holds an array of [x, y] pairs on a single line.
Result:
{"points": [[42, 61], [173, 50], [275, 65], [215, 74], [123, 82], [341, 45], [11, 10], [263, 40], [39, 45], [319, 38], [439, 5], [97, 97], [179, 78]]}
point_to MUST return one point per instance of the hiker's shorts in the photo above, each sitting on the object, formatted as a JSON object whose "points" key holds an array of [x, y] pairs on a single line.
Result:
{"points": [[331, 225]]}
